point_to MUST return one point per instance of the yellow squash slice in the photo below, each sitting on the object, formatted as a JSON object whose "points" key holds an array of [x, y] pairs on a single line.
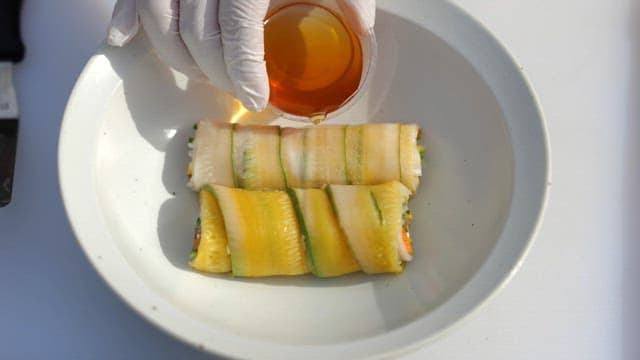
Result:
{"points": [[372, 219], [327, 248], [211, 247], [262, 231]]}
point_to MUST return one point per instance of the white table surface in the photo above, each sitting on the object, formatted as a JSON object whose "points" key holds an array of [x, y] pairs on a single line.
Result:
{"points": [[575, 297]]}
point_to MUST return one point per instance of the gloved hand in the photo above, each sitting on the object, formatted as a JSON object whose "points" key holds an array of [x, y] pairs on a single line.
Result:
{"points": [[221, 40]]}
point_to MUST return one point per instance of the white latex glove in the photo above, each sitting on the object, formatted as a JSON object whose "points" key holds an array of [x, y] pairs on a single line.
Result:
{"points": [[221, 40]]}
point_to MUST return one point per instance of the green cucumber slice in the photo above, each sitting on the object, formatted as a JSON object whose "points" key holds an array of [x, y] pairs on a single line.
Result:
{"points": [[353, 141], [211, 160], [327, 248], [371, 218], [291, 155], [211, 254], [380, 159], [324, 157], [410, 158], [257, 158]]}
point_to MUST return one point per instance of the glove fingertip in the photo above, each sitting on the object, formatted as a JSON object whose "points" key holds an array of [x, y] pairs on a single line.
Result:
{"points": [[117, 37], [124, 23], [253, 103], [250, 83]]}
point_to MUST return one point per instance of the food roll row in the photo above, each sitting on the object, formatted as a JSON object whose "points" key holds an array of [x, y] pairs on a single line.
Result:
{"points": [[332, 231], [258, 157]]}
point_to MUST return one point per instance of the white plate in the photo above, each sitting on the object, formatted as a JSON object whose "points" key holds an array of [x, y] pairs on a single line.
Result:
{"points": [[122, 160]]}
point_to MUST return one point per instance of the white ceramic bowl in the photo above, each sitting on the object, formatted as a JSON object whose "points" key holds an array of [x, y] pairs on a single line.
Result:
{"points": [[122, 160]]}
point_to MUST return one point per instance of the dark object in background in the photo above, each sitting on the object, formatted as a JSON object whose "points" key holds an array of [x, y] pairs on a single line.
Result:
{"points": [[8, 140], [11, 51]]}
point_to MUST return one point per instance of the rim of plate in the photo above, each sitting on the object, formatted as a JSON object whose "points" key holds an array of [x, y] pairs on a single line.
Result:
{"points": [[530, 192]]}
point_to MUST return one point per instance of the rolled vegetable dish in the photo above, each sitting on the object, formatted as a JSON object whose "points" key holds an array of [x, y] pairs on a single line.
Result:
{"points": [[329, 200], [273, 158]]}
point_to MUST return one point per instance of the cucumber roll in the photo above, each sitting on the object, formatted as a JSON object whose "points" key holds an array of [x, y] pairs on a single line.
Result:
{"points": [[211, 155], [372, 154], [375, 220], [313, 156], [323, 156], [256, 157], [410, 156], [354, 154], [292, 155], [209, 252], [263, 232], [327, 248], [273, 158], [380, 159]]}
